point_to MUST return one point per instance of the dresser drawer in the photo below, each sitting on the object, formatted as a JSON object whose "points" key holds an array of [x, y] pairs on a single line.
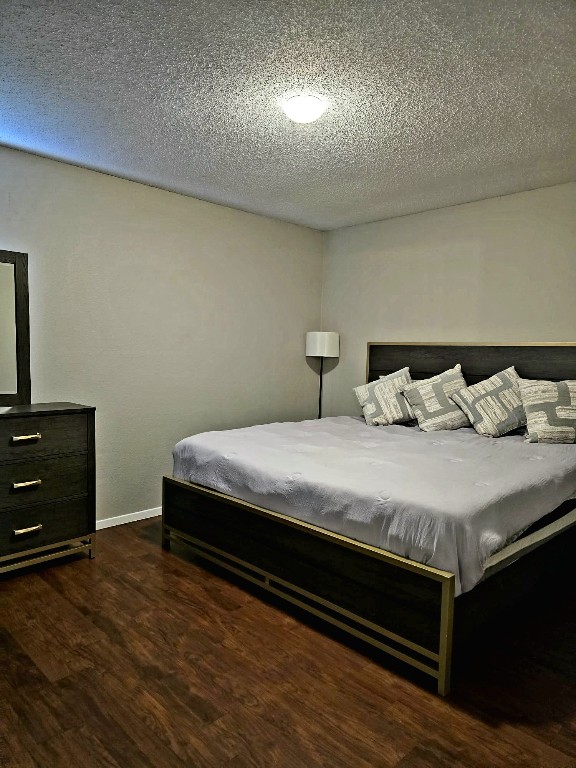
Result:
{"points": [[29, 436], [34, 482], [37, 526]]}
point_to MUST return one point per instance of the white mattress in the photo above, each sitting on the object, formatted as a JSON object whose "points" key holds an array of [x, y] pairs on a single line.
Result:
{"points": [[447, 499]]}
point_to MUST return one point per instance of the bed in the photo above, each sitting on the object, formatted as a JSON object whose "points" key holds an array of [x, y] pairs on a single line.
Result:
{"points": [[399, 601]]}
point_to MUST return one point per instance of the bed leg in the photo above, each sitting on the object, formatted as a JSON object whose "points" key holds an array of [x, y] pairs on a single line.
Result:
{"points": [[446, 628], [92, 548], [444, 683]]}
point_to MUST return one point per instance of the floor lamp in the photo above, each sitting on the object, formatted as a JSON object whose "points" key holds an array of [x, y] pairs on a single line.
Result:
{"points": [[322, 344]]}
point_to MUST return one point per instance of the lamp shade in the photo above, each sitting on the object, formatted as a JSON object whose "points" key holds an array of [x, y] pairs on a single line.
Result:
{"points": [[322, 344]]}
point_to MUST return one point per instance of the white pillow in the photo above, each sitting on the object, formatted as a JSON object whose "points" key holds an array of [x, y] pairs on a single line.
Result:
{"points": [[382, 401], [430, 399]]}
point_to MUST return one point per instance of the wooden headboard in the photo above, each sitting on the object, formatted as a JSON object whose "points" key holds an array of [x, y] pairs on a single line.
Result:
{"points": [[554, 361]]}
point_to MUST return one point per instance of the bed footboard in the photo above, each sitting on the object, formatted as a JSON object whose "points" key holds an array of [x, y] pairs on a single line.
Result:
{"points": [[399, 606]]}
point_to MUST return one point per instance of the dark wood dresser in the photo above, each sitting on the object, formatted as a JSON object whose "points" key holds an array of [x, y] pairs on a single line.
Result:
{"points": [[47, 483]]}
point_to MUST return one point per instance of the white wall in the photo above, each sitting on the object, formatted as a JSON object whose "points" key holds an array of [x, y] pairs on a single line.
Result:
{"points": [[502, 269], [174, 316], [169, 314]]}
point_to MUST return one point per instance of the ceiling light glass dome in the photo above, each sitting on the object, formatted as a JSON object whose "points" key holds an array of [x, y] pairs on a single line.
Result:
{"points": [[304, 107]]}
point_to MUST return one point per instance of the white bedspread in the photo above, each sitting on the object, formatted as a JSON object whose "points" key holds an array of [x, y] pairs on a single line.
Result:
{"points": [[447, 499]]}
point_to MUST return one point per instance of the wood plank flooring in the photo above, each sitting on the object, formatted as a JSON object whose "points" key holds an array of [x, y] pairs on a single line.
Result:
{"points": [[142, 658]]}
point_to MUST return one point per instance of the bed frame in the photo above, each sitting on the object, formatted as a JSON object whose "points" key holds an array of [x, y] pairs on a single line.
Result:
{"points": [[402, 607]]}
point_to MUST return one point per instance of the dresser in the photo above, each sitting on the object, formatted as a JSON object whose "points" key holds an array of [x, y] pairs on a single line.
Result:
{"points": [[47, 483]]}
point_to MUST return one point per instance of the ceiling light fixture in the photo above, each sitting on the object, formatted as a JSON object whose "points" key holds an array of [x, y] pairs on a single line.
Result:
{"points": [[304, 107]]}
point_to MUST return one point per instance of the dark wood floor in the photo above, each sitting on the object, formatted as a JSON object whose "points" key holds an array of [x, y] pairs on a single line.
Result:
{"points": [[143, 658]]}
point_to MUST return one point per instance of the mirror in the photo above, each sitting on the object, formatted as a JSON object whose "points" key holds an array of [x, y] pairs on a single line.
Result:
{"points": [[8, 369], [14, 329]]}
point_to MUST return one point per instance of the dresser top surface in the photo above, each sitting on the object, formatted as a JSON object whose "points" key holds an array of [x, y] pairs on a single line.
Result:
{"points": [[41, 409]]}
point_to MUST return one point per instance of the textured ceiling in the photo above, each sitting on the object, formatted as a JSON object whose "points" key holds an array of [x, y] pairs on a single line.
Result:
{"points": [[432, 103]]}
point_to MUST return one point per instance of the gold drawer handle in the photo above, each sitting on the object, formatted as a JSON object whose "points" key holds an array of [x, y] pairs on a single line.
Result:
{"points": [[27, 484], [24, 531], [26, 438]]}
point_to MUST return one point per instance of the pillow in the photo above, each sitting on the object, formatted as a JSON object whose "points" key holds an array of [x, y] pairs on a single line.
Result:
{"points": [[382, 402], [494, 406], [430, 400], [550, 410]]}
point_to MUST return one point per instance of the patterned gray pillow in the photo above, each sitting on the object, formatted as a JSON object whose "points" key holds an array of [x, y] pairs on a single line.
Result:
{"points": [[382, 402], [550, 410], [494, 406], [430, 400]]}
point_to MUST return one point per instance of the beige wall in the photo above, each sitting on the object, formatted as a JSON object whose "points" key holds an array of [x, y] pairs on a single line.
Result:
{"points": [[174, 316], [169, 314], [502, 269]]}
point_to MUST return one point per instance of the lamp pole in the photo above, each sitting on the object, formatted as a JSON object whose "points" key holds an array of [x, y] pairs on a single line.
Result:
{"points": [[320, 393]]}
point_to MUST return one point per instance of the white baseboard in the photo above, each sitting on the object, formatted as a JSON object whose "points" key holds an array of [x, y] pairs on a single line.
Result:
{"points": [[131, 518]]}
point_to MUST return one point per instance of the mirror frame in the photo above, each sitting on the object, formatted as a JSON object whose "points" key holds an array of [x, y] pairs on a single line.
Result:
{"points": [[23, 394]]}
